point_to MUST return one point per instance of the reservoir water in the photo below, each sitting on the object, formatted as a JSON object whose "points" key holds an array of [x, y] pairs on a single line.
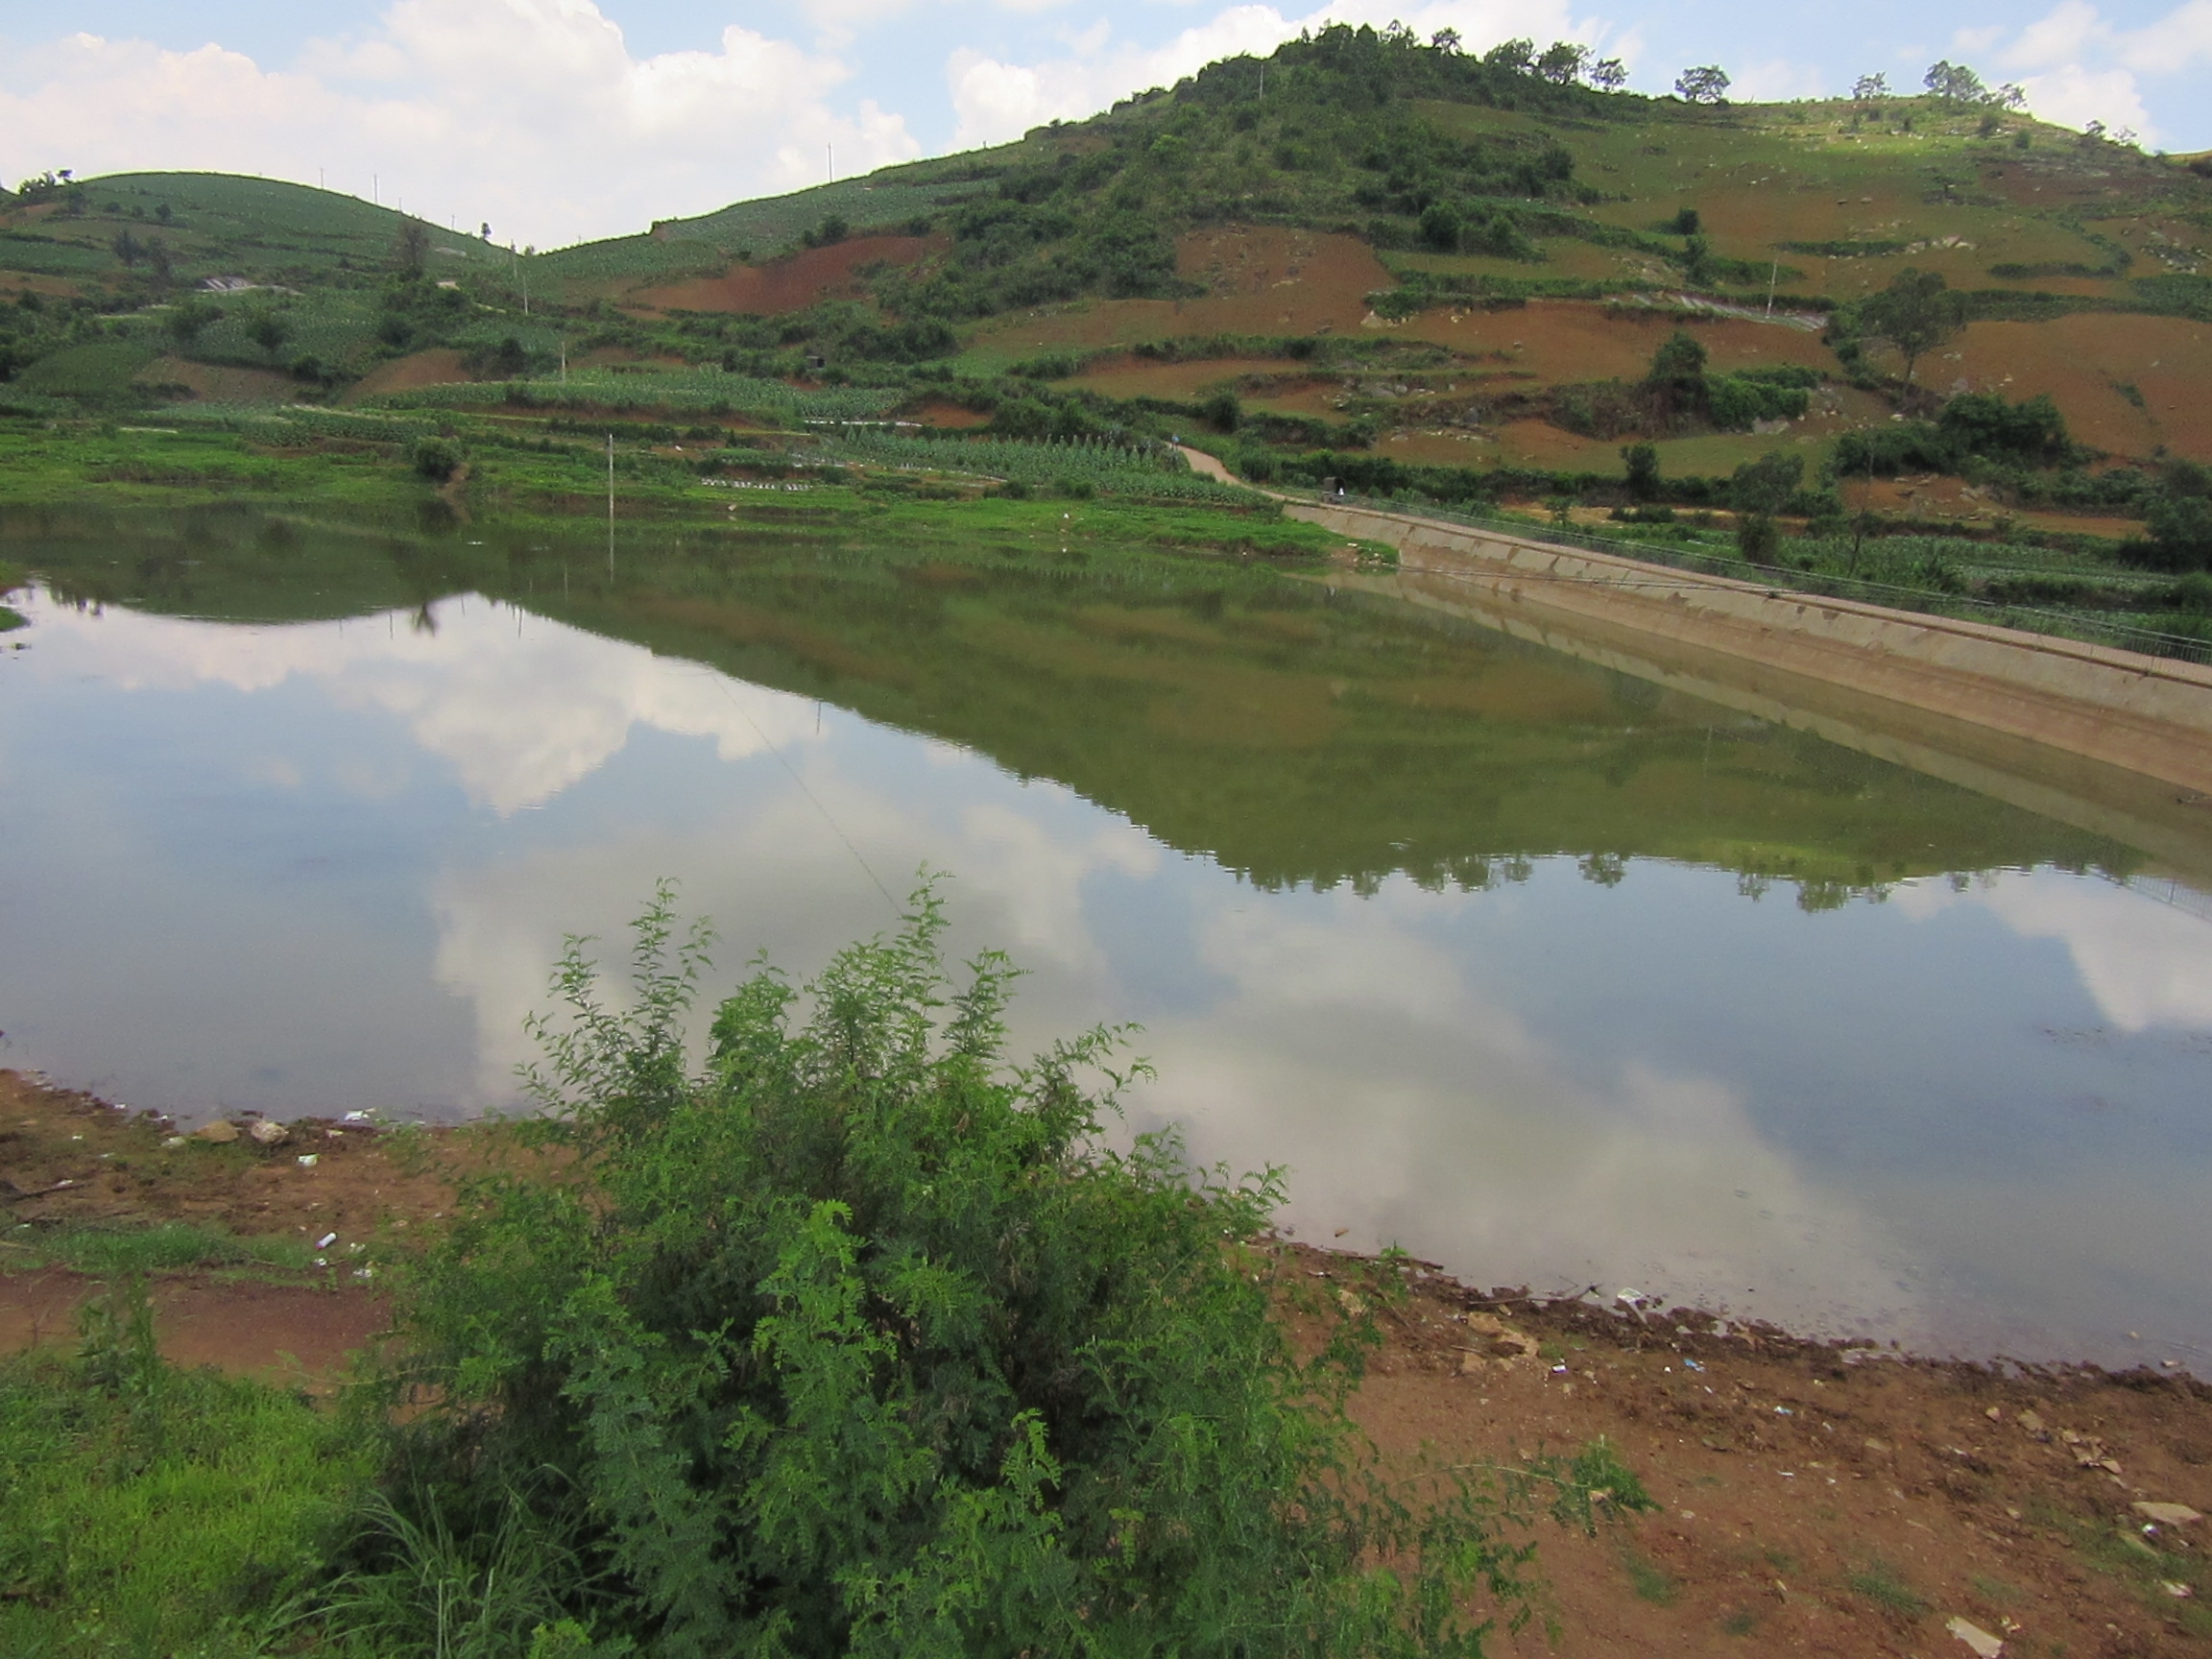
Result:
{"points": [[1543, 972]]}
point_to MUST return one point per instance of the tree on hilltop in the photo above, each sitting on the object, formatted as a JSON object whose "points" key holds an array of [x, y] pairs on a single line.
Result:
{"points": [[1563, 62], [1518, 55], [1954, 83], [1708, 83], [1609, 75]]}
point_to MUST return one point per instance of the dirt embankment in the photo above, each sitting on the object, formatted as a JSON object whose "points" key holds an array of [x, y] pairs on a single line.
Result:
{"points": [[1808, 1498]]}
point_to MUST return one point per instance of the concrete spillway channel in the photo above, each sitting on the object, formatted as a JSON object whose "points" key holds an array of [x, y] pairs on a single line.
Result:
{"points": [[2110, 741]]}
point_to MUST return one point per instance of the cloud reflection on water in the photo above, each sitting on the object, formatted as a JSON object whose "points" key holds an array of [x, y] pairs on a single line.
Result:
{"points": [[520, 708], [1461, 1072], [2145, 963]]}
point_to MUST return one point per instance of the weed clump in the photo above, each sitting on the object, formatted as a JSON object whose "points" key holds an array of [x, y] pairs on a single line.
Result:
{"points": [[862, 1340]]}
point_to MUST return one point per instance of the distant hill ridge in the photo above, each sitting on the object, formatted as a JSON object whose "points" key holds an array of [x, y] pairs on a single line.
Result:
{"points": [[1502, 243]]}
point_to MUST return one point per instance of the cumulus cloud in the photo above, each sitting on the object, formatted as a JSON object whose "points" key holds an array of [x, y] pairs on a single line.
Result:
{"points": [[533, 114], [995, 100], [2078, 67]]}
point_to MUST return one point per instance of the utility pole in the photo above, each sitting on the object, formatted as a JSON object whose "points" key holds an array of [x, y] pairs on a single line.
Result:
{"points": [[832, 149], [609, 510], [375, 196], [1772, 277]]}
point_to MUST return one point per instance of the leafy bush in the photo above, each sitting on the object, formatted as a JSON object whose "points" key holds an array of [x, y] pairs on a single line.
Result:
{"points": [[863, 1341], [2179, 520], [1738, 401], [435, 458], [1974, 425]]}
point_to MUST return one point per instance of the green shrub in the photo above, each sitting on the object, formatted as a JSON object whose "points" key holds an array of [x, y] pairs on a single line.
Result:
{"points": [[1737, 402], [435, 458], [862, 1340]]}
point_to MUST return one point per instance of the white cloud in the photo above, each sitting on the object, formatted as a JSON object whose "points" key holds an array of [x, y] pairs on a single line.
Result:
{"points": [[2179, 41], [2080, 67], [2074, 97], [1777, 79], [995, 100], [2142, 962], [2057, 39], [533, 114]]}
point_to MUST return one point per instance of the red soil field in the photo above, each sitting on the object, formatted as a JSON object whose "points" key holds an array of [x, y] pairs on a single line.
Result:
{"points": [[1262, 281], [1468, 448], [948, 417], [2084, 361], [220, 385], [1130, 377], [438, 368], [790, 284], [1560, 341], [1316, 398], [31, 282]]}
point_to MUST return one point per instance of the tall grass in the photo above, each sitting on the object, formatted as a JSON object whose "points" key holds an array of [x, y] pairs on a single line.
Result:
{"points": [[150, 1511], [166, 1247]]}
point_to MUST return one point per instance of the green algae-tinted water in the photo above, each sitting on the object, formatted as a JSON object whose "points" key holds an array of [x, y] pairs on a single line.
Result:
{"points": [[1544, 972]]}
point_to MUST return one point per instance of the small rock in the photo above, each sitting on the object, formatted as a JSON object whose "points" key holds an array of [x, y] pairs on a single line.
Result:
{"points": [[2179, 1591], [2167, 1514], [218, 1133], [266, 1133], [1995, 1413], [308, 1160], [2032, 1424], [172, 1143], [1985, 1645]]}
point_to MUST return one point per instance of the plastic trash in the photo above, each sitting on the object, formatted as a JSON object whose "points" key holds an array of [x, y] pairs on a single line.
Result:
{"points": [[1985, 1645]]}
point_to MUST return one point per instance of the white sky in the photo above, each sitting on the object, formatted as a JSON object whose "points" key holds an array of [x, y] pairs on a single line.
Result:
{"points": [[559, 120]]}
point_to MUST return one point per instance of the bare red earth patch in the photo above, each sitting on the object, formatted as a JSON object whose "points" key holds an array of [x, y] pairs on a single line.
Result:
{"points": [[441, 367], [781, 285]]}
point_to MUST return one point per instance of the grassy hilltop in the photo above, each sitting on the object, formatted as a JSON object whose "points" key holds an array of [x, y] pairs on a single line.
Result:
{"points": [[1472, 280]]}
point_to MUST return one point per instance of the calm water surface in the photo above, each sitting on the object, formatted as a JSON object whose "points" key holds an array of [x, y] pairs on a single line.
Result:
{"points": [[1542, 973]]}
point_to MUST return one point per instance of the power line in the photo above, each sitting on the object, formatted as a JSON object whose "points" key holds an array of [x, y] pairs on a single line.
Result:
{"points": [[828, 817]]}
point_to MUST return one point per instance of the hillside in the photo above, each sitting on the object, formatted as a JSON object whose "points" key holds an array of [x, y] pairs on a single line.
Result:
{"points": [[1469, 279]]}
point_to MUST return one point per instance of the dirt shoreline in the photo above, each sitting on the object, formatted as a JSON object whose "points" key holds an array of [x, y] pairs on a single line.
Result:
{"points": [[1812, 1496]]}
